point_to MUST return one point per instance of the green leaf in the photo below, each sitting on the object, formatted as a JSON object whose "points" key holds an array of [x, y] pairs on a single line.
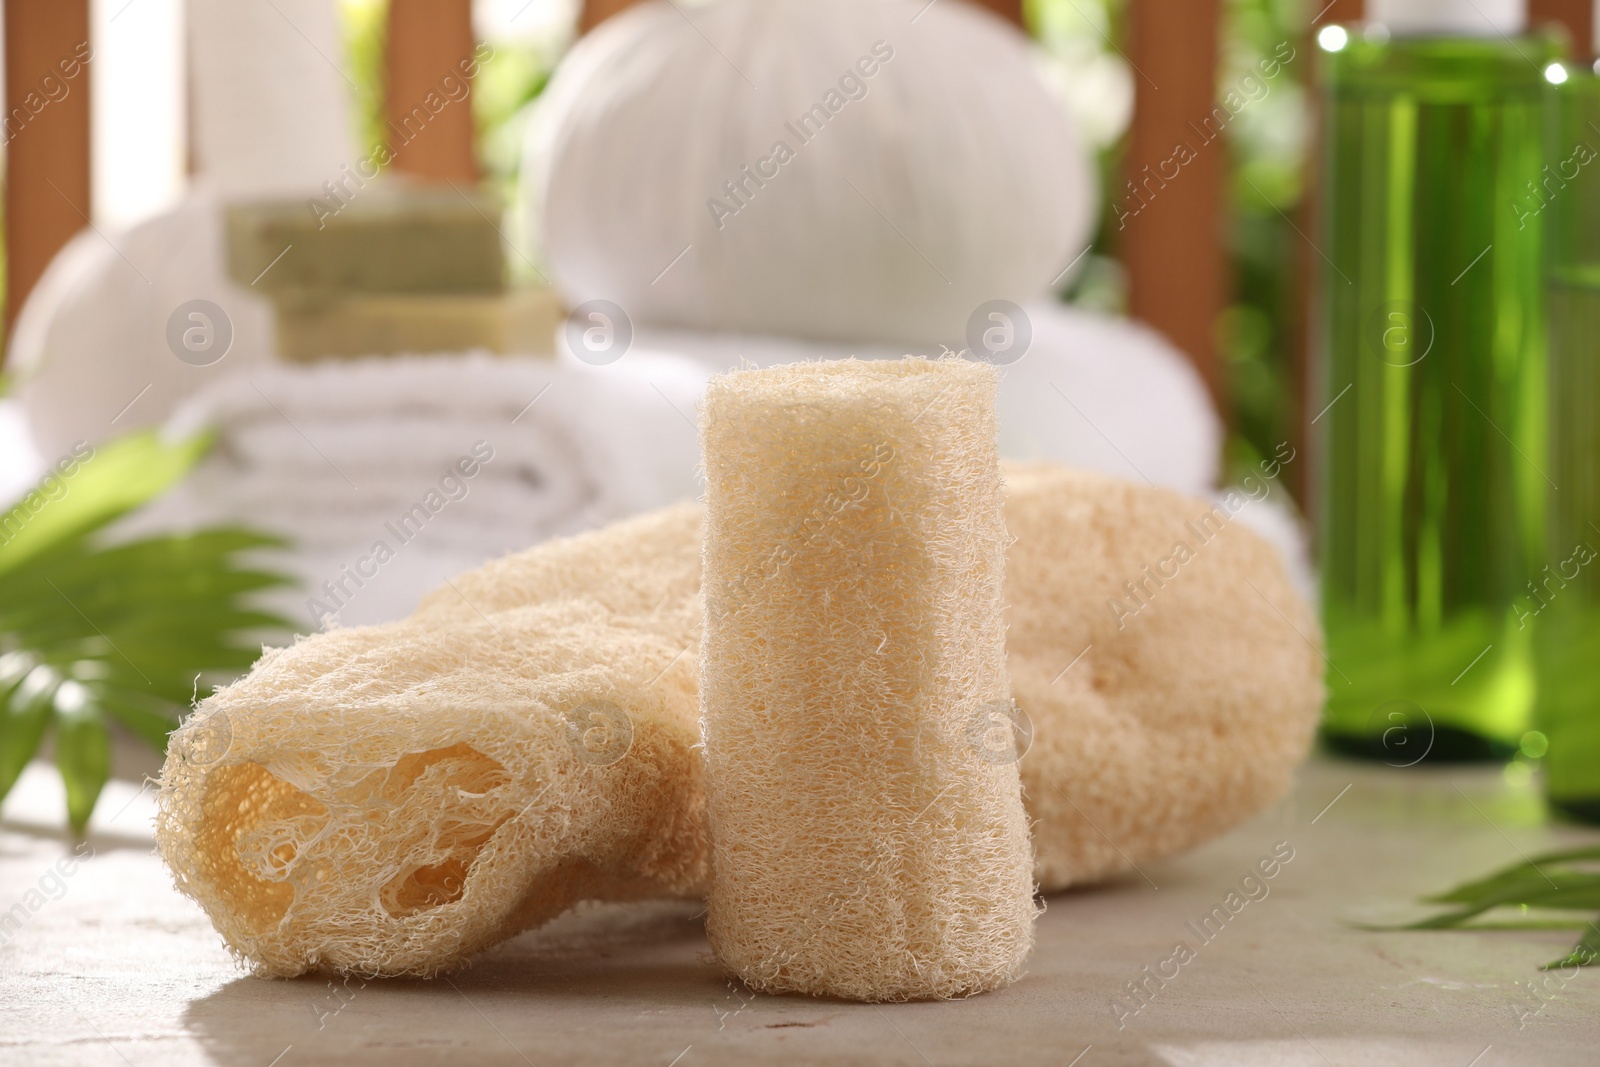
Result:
{"points": [[131, 632], [150, 720], [1470, 891], [1553, 888], [102, 486], [1552, 881], [24, 714], [1584, 953], [83, 751]]}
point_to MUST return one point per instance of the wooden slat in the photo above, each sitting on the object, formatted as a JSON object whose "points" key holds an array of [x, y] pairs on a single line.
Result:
{"points": [[48, 196], [1577, 16], [1010, 10], [1170, 231], [597, 11], [427, 42], [1342, 11]]}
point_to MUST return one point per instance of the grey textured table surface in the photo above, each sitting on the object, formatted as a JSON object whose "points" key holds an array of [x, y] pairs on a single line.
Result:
{"points": [[114, 967]]}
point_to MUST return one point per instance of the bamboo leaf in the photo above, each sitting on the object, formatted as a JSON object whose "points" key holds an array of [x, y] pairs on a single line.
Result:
{"points": [[133, 710]]}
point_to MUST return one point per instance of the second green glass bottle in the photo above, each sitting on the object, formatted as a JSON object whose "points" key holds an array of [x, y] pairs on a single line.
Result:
{"points": [[1562, 603]]}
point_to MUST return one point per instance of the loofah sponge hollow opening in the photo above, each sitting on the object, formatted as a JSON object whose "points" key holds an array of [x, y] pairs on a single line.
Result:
{"points": [[864, 847], [389, 800]]}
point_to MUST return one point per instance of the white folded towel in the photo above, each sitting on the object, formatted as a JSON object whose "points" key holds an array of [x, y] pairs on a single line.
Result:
{"points": [[343, 457]]}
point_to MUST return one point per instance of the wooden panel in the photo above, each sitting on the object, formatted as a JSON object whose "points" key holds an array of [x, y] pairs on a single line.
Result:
{"points": [[597, 11], [1010, 10], [428, 41], [1343, 11], [47, 136], [1170, 229], [1577, 16]]}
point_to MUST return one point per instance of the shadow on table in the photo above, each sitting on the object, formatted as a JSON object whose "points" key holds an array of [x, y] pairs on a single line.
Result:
{"points": [[98, 840], [640, 958], [613, 976], [1123, 882]]}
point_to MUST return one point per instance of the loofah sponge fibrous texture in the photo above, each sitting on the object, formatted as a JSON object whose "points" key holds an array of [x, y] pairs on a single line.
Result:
{"points": [[1152, 733], [1196, 695], [389, 799], [854, 559]]}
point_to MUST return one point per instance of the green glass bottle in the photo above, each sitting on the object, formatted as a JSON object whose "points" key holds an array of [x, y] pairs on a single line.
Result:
{"points": [[1430, 458], [1562, 604]]}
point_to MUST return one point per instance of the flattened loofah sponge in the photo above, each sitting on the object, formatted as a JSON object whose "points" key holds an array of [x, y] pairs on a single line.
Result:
{"points": [[644, 571], [863, 846], [390, 799]]}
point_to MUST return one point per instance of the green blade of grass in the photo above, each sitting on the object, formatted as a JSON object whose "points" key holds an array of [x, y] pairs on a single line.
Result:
{"points": [[1584, 953], [1573, 890], [1532, 868]]}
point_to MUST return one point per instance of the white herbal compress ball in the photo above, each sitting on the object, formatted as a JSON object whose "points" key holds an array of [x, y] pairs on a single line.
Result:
{"points": [[831, 169]]}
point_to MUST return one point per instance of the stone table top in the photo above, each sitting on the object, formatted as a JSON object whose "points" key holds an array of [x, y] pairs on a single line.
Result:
{"points": [[112, 966]]}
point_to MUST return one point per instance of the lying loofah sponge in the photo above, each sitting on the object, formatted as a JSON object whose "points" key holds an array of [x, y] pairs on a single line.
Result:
{"points": [[854, 556], [1185, 715], [387, 800], [645, 571], [1199, 684]]}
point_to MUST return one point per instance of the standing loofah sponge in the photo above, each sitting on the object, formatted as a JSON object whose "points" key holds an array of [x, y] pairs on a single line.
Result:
{"points": [[863, 847]]}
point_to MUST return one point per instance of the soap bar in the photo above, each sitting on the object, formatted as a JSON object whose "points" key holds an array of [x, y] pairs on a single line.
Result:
{"points": [[865, 844], [383, 240], [521, 321]]}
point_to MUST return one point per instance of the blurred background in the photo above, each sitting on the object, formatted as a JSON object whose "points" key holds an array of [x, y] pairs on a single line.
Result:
{"points": [[139, 160], [313, 304], [1224, 270]]}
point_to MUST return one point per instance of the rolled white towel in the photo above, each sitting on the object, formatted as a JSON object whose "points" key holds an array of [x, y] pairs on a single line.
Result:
{"points": [[342, 457], [327, 513], [331, 478]]}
